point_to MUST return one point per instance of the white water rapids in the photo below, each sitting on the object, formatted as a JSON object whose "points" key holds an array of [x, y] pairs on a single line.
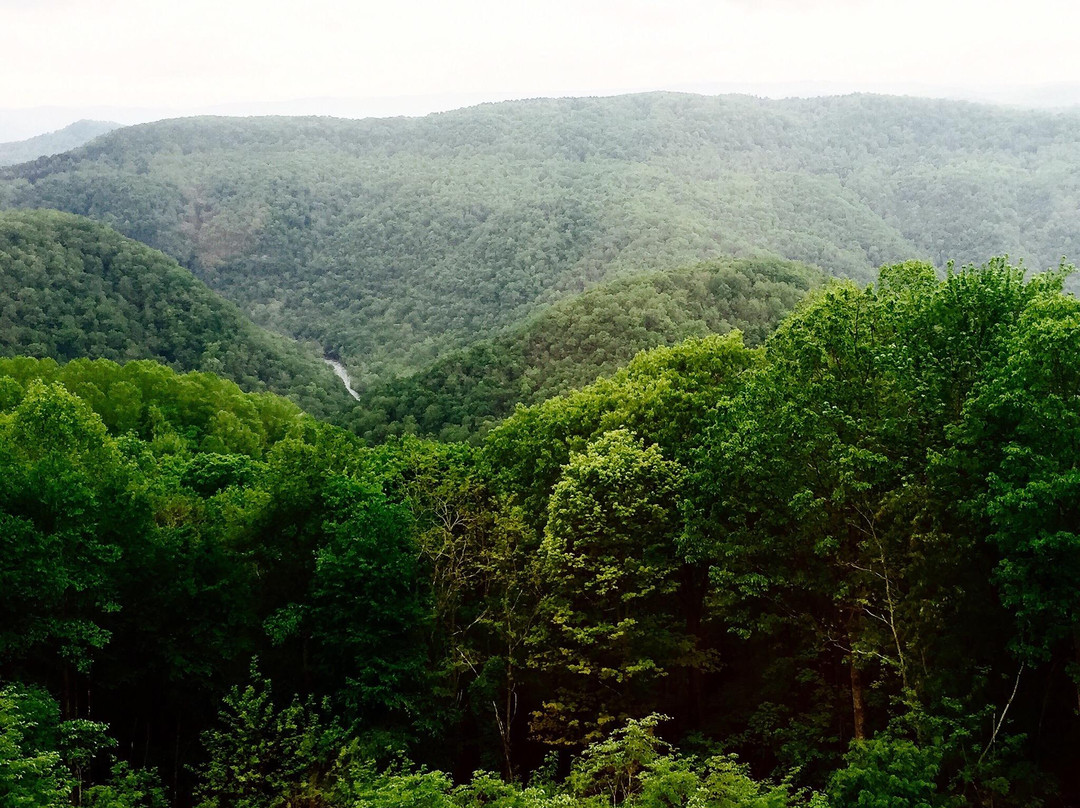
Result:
{"points": [[341, 373]]}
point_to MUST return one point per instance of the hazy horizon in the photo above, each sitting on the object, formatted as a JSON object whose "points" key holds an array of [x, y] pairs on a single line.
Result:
{"points": [[22, 124], [133, 61]]}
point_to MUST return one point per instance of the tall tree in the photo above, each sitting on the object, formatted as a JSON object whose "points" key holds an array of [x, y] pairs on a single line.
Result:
{"points": [[610, 566]]}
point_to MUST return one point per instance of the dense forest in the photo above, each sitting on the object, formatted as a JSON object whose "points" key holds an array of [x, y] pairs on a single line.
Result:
{"points": [[570, 343], [838, 569], [393, 242], [72, 288]]}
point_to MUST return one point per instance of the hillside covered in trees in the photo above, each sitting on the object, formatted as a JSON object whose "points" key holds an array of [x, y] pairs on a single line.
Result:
{"points": [[573, 341], [396, 241], [840, 569], [72, 288], [62, 140]]}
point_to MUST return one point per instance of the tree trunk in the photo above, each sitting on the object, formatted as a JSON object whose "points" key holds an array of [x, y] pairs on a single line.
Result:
{"points": [[505, 725], [68, 707], [694, 584], [858, 704], [858, 700]]}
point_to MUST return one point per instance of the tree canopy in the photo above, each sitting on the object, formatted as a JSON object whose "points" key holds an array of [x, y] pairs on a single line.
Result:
{"points": [[71, 288], [836, 569], [394, 242], [570, 343]]}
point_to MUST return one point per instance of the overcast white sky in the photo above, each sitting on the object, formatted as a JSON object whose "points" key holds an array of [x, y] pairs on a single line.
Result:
{"points": [[199, 54]]}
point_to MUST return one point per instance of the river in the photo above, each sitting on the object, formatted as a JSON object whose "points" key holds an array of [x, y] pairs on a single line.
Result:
{"points": [[341, 373]]}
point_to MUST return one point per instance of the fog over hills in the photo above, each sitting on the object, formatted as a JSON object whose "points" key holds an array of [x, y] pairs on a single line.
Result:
{"points": [[70, 137], [27, 122]]}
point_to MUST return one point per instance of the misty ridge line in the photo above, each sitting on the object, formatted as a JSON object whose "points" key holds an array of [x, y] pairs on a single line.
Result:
{"points": [[22, 123]]}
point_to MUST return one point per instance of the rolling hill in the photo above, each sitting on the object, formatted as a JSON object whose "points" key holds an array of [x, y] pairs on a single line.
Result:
{"points": [[71, 288], [570, 343], [62, 140], [397, 241]]}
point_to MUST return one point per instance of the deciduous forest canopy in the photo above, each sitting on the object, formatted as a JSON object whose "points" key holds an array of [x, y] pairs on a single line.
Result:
{"points": [[71, 288], [572, 342], [392, 241], [658, 492]]}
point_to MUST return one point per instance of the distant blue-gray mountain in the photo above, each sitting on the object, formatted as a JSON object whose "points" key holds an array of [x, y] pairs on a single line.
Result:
{"points": [[62, 140]]}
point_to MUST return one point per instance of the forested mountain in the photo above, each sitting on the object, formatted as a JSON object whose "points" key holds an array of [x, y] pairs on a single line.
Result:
{"points": [[395, 241], [760, 538], [575, 340], [62, 140], [839, 570], [72, 288]]}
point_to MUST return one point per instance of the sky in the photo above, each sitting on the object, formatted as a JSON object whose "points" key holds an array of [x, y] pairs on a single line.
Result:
{"points": [[146, 57]]}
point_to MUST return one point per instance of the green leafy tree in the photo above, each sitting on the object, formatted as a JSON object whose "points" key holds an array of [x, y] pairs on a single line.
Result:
{"points": [[485, 592], [127, 788], [610, 563], [368, 607], [261, 755], [889, 773], [32, 770], [68, 511]]}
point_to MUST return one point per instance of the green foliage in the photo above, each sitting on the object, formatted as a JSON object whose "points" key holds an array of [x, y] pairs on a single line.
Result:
{"points": [[367, 607], [421, 789], [632, 768], [174, 413], [32, 772], [208, 474], [44, 760], [610, 567], [65, 507], [128, 788], [396, 241], [1021, 425], [888, 772], [260, 755], [74, 289], [572, 342], [665, 395], [485, 790], [847, 557], [611, 769]]}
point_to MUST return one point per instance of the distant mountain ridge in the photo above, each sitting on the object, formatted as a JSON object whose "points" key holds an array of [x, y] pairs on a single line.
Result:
{"points": [[393, 242], [62, 140], [22, 123]]}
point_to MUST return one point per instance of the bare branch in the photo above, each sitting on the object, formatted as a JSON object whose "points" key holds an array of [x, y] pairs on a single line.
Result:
{"points": [[1001, 720]]}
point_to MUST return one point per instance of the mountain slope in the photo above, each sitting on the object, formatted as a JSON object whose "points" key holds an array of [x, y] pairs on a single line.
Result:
{"points": [[572, 342], [62, 140], [396, 241], [72, 288]]}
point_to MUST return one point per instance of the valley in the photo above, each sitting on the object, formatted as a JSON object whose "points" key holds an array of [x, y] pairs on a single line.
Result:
{"points": [[343, 375], [617, 452], [394, 242]]}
